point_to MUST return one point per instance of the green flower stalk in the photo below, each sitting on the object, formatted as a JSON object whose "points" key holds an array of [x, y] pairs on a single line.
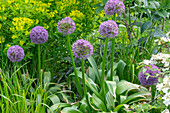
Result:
{"points": [[78, 84], [39, 35], [67, 26], [83, 49], [113, 51], [109, 29]]}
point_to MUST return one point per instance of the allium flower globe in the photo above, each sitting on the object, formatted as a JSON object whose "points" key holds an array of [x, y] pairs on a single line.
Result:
{"points": [[15, 53], [108, 28], [39, 35], [82, 49], [66, 26], [152, 78], [114, 6]]}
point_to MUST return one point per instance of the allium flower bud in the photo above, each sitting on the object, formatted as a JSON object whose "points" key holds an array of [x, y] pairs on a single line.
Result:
{"points": [[152, 78], [82, 49], [15, 53], [114, 6], [39, 35], [66, 26], [108, 28]]}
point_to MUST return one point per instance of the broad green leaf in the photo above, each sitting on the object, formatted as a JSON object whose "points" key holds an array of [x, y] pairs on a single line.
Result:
{"points": [[47, 78], [70, 110], [120, 68], [116, 79], [110, 101], [99, 9], [159, 33], [112, 87], [95, 68], [165, 4], [58, 106], [122, 98], [155, 4], [92, 74], [162, 13], [136, 95], [119, 107], [145, 26], [99, 103], [93, 87], [54, 99], [123, 86]]}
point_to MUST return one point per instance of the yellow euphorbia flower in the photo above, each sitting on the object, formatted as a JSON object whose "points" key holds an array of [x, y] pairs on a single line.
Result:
{"points": [[2, 39], [21, 42], [14, 37]]}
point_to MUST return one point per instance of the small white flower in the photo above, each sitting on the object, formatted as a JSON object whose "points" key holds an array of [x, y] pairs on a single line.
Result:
{"points": [[166, 98], [166, 79], [147, 62], [159, 87], [165, 89], [165, 111]]}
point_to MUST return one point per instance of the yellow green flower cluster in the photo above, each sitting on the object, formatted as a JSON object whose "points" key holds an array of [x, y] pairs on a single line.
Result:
{"points": [[19, 16]]}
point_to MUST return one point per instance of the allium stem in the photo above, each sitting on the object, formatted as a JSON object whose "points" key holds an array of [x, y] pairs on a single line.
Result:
{"points": [[83, 78], [84, 83], [39, 65], [153, 91], [77, 81], [113, 51], [112, 57], [103, 67]]}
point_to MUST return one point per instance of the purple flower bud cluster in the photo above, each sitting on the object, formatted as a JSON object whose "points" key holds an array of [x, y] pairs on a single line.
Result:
{"points": [[15, 53], [39, 35], [108, 28], [82, 49], [66, 26], [152, 78], [114, 6]]}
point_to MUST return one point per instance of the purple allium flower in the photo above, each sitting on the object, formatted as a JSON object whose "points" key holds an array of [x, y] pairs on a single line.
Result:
{"points": [[15, 53], [82, 49], [108, 28], [152, 78], [66, 26], [114, 6], [39, 35]]}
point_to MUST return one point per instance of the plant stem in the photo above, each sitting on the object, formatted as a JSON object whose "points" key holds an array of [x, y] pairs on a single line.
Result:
{"points": [[112, 57], [103, 70], [104, 61], [39, 65], [77, 81], [153, 91], [84, 83], [83, 78], [113, 51]]}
